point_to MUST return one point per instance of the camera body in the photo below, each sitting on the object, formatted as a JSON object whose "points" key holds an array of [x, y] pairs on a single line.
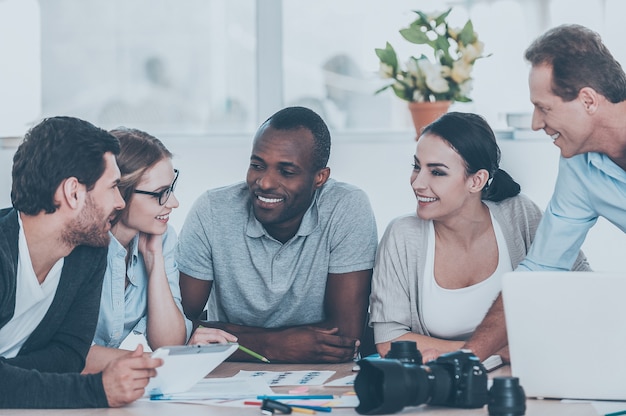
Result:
{"points": [[386, 385], [468, 376]]}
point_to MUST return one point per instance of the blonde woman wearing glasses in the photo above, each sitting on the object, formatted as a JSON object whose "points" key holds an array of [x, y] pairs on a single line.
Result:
{"points": [[140, 293]]}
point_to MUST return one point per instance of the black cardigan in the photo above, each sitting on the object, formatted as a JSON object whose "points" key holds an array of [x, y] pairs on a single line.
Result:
{"points": [[45, 373]]}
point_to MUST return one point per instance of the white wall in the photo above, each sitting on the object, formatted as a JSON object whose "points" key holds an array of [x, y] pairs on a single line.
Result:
{"points": [[379, 165], [20, 72], [6, 161]]}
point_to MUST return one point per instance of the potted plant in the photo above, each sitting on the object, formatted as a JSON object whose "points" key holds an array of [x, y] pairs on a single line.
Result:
{"points": [[431, 86]]}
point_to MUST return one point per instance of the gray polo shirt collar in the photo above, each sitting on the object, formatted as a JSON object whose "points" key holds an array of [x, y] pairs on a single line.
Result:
{"points": [[309, 222]]}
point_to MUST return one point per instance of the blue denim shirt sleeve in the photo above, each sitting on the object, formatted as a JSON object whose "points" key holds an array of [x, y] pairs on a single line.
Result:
{"points": [[170, 245], [110, 328], [123, 309], [588, 186]]}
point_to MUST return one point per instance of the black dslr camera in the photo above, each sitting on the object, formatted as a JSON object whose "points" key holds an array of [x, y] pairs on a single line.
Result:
{"points": [[386, 385]]}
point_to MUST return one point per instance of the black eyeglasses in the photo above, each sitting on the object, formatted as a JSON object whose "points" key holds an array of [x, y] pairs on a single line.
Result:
{"points": [[164, 195]]}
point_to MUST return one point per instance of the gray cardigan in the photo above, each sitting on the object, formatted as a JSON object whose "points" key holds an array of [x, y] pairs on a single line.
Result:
{"points": [[395, 306], [45, 373]]}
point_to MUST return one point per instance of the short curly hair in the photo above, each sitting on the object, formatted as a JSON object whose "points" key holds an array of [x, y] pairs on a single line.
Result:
{"points": [[291, 118]]}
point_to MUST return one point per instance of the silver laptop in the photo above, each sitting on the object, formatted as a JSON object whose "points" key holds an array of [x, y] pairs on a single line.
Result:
{"points": [[567, 333]]}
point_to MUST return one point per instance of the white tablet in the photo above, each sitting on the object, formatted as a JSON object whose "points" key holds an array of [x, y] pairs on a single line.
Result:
{"points": [[185, 365]]}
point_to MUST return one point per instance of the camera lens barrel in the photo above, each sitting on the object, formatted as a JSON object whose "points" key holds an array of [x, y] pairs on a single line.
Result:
{"points": [[405, 351], [386, 386], [506, 397]]}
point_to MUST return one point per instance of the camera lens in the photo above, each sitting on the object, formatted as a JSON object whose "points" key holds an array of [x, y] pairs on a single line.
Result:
{"points": [[506, 397], [439, 385], [386, 386], [405, 351]]}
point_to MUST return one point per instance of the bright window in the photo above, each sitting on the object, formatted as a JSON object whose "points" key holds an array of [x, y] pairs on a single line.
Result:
{"points": [[185, 66], [215, 67]]}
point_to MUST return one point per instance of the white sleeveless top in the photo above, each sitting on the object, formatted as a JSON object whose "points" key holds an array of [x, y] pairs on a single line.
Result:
{"points": [[454, 314]]}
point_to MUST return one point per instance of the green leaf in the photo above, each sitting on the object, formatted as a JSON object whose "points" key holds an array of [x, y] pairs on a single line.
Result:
{"points": [[442, 43], [388, 56], [442, 17], [422, 20], [467, 36], [445, 59], [414, 35], [378, 91], [400, 92]]}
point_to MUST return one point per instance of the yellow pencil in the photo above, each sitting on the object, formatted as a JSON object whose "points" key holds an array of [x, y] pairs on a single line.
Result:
{"points": [[302, 410]]}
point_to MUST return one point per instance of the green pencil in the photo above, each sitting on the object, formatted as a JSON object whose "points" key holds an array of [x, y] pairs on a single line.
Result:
{"points": [[248, 351], [254, 354]]}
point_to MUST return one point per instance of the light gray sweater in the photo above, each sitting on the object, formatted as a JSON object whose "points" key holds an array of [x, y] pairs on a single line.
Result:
{"points": [[395, 306]]}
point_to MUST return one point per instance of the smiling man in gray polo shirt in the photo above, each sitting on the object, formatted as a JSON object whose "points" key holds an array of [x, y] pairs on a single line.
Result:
{"points": [[287, 256]]}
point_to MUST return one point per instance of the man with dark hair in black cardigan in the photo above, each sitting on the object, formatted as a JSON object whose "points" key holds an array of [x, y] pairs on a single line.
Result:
{"points": [[53, 250]]}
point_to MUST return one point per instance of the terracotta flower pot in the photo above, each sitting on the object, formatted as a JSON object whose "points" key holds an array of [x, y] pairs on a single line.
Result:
{"points": [[424, 113]]}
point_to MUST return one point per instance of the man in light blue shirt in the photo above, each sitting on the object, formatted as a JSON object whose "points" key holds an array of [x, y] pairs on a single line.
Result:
{"points": [[589, 185], [579, 93]]}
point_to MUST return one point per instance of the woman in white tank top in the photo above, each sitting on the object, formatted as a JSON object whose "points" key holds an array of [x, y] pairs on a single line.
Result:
{"points": [[438, 272]]}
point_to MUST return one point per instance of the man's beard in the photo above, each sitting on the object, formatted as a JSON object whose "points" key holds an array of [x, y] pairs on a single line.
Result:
{"points": [[89, 228]]}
